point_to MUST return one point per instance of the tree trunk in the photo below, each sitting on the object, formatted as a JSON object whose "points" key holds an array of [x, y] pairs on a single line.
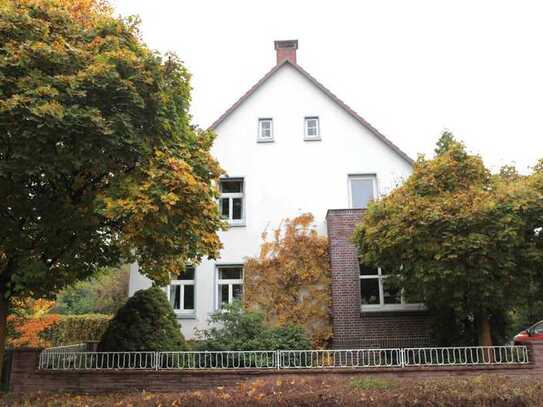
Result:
{"points": [[485, 332], [485, 339], [4, 310]]}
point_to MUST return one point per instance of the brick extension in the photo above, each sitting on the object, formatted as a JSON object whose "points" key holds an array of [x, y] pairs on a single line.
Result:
{"points": [[352, 328], [25, 377]]}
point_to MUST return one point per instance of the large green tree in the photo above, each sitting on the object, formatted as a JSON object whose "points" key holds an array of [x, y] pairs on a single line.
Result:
{"points": [[99, 162], [466, 242]]}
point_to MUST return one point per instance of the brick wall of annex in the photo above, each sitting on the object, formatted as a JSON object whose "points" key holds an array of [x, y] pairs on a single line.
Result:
{"points": [[352, 328]]}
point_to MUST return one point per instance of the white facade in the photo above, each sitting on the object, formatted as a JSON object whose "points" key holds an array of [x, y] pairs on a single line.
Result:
{"points": [[290, 175]]}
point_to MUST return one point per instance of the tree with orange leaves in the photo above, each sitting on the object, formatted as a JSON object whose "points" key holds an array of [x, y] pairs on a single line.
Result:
{"points": [[28, 320], [290, 279]]}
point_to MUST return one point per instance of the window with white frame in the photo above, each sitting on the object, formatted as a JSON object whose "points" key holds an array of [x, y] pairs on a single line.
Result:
{"points": [[265, 130], [181, 291], [311, 128], [379, 295], [229, 284], [231, 200], [362, 190]]}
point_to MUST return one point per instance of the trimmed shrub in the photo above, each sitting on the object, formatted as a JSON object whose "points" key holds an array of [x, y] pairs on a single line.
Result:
{"points": [[145, 323], [55, 330], [70, 329], [234, 328]]}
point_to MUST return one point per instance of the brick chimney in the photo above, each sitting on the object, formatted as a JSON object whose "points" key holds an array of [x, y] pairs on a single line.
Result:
{"points": [[286, 50]]}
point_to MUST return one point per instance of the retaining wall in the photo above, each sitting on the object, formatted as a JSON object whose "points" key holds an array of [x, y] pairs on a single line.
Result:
{"points": [[26, 377]]}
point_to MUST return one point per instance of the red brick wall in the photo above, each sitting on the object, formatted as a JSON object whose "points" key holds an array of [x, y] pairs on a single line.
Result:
{"points": [[25, 377], [351, 327]]}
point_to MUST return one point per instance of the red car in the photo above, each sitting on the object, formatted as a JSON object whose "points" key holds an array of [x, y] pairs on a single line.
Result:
{"points": [[532, 334]]}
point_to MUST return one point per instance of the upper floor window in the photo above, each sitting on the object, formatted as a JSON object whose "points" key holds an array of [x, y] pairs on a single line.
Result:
{"points": [[265, 130], [231, 200], [311, 128], [229, 284], [181, 291], [376, 294], [362, 190]]}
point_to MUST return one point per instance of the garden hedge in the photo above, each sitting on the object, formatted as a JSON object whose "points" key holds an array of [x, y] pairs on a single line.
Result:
{"points": [[70, 329]]}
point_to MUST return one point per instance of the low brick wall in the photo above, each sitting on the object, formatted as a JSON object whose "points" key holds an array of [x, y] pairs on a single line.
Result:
{"points": [[25, 377]]}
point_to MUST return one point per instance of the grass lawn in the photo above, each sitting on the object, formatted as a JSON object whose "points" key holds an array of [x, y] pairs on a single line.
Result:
{"points": [[332, 390]]}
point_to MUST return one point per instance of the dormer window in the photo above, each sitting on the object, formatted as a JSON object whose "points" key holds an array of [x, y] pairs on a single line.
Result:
{"points": [[311, 128], [265, 130]]}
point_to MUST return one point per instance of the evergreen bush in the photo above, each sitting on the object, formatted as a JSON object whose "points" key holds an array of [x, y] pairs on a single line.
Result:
{"points": [[145, 323]]}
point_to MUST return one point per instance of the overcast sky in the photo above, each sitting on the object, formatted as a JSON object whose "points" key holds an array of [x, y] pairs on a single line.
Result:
{"points": [[410, 68]]}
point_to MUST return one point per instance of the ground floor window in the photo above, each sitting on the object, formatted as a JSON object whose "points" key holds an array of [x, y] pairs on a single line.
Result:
{"points": [[181, 291], [376, 294], [229, 284]]}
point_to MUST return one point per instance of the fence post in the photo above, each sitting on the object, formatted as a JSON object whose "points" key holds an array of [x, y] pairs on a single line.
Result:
{"points": [[402, 357], [278, 359], [157, 358]]}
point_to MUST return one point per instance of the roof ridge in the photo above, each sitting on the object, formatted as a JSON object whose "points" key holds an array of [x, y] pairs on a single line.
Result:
{"points": [[251, 90]]}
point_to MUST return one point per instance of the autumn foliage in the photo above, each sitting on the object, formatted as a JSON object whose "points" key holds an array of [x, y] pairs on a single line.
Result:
{"points": [[33, 323], [85, 12], [28, 321], [100, 163], [290, 279]]}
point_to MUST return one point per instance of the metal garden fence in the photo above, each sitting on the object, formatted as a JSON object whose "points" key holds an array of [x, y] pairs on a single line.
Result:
{"points": [[97, 360], [344, 358], [72, 359], [218, 360], [461, 356]]}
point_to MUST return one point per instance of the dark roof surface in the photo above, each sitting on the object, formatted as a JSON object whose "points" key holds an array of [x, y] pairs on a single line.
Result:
{"points": [[327, 92]]}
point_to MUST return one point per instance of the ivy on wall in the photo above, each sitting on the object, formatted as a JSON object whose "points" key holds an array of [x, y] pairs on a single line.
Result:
{"points": [[290, 279]]}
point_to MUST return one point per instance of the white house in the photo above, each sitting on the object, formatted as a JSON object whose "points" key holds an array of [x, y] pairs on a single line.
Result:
{"points": [[289, 146]]}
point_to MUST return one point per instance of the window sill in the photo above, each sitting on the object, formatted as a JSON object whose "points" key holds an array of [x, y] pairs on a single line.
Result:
{"points": [[265, 140], [367, 309], [238, 224], [182, 315], [312, 138]]}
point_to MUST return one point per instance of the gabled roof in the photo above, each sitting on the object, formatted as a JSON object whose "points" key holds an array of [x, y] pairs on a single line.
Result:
{"points": [[327, 92]]}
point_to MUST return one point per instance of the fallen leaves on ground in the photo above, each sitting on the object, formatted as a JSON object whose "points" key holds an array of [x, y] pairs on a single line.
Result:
{"points": [[323, 390]]}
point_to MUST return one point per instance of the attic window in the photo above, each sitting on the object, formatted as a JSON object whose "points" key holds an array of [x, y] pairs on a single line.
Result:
{"points": [[312, 128], [265, 130]]}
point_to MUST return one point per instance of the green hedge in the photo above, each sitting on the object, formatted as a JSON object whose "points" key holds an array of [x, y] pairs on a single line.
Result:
{"points": [[72, 329]]}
